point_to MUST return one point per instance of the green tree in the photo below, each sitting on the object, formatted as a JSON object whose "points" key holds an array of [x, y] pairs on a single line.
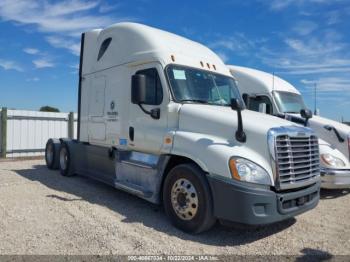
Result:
{"points": [[49, 109]]}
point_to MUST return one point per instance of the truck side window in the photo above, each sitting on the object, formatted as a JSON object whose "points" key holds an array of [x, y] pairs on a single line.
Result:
{"points": [[254, 103], [103, 48], [155, 91]]}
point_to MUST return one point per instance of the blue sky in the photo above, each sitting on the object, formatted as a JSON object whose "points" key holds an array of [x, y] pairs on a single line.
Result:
{"points": [[302, 41]]}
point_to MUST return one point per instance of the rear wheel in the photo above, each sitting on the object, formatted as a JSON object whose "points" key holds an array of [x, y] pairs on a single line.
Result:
{"points": [[187, 199], [65, 160], [50, 154]]}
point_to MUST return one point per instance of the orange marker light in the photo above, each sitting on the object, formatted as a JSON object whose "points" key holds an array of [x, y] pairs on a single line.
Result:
{"points": [[233, 169], [168, 140]]}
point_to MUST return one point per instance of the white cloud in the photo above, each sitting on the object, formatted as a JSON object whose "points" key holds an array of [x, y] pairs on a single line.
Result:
{"points": [[314, 46], [316, 71], [43, 63], [322, 58], [326, 53], [59, 42], [33, 79], [333, 17], [107, 8], [65, 20], [31, 51], [277, 5], [238, 42], [305, 27], [10, 65], [328, 84], [63, 17]]}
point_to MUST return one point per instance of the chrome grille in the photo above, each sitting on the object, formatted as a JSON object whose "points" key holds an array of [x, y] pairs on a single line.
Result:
{"points": [[297, 159]]}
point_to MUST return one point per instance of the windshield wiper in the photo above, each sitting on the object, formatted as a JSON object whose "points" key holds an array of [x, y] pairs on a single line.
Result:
{"points": [[195, 100]]}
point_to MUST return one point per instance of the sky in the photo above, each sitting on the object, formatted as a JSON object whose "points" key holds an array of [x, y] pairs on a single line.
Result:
{"points": [[306, 42]]}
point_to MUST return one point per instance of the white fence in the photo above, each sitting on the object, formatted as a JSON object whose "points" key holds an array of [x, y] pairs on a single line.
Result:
{"points": [[28, 131]]}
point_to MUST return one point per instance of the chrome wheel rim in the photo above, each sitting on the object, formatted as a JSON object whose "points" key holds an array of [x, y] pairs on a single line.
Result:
{"points": [[63, 158], [184, 199], [49, 153]]}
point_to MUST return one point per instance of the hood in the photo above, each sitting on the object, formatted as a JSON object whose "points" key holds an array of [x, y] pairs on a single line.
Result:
{"points": [[329, 138], [219, 123], [317, 123]]}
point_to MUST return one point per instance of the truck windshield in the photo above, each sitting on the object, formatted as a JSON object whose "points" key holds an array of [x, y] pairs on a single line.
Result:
{"points": [[289, 102], [200, 86]]}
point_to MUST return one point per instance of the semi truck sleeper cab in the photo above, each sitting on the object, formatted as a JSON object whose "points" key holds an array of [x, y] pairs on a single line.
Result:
{"points": [[160, 116]]}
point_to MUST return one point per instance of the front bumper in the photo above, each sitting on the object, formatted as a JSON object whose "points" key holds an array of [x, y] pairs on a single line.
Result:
{"points": [[335, 178], [244, 204]]}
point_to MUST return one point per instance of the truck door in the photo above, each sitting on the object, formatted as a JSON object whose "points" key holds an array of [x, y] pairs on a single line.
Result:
{"points": [[96, 124], [146, 134]]}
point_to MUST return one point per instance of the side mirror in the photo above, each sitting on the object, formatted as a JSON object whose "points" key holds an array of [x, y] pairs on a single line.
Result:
{"points": [[139, 94], [306, 114], [235, 105], [138, 89], [240, 134]]}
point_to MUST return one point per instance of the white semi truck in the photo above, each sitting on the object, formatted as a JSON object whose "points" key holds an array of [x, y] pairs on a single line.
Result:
{"points": [[270, 94], [160, 116]]}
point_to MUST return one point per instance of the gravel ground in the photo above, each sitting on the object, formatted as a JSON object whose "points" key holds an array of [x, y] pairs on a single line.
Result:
{"points": [[42, 212]]}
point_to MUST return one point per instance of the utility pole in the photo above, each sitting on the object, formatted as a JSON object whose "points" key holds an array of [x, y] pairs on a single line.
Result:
{"points": [[3, 132], [315, 88]]}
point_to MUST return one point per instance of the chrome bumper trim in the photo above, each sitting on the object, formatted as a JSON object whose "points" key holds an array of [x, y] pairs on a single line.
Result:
{"points": [[335, 178]]}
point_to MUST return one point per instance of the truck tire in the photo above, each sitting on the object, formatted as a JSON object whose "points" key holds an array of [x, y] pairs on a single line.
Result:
{"points": [[65, 162], [51, 154], [187, 199]]}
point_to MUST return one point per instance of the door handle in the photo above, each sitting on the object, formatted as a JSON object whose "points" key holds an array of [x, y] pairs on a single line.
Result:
{"points": [[131, 133]]}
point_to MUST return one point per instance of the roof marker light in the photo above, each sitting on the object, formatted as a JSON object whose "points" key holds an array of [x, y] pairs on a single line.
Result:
{"points": [[208, 65], [214, 67], [202, 64], [173, 58]]}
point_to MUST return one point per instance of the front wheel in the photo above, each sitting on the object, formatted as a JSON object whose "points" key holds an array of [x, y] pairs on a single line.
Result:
{"points": [[187, 199]]}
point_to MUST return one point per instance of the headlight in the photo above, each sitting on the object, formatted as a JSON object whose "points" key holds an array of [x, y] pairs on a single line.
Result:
{"points": [[244, 170], [333, 161]]}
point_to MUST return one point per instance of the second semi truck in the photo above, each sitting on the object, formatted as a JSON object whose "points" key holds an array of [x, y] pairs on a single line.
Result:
{"points": [[160, 117], [272, 95]]}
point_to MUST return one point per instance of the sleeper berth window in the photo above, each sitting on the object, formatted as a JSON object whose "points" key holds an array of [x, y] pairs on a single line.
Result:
{"points": [[105, 44]]}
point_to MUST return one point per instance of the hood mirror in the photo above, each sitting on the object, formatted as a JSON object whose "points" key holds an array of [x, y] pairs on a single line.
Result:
{"points": [[240, 134], [306, 114]]}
